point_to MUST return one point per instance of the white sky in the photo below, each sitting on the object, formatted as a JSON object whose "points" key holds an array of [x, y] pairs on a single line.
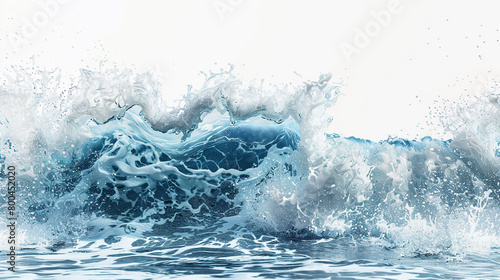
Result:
{"points": [[430, 49]]}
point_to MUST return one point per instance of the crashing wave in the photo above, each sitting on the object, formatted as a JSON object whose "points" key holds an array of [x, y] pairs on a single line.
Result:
{"points": [[109, 154]]}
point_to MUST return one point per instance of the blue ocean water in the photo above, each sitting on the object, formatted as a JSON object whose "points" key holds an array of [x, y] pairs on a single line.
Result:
{"points": [[239, 180]]}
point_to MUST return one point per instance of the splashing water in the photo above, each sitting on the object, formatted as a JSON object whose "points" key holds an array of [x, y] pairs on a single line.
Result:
{"points": [[238, 178]]}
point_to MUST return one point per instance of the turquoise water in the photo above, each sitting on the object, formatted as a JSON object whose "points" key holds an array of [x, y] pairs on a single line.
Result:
{"points": [[263, 258]]}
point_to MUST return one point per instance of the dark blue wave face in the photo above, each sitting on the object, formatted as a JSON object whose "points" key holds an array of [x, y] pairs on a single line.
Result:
{"points": [[195, 185], [126, 176]]}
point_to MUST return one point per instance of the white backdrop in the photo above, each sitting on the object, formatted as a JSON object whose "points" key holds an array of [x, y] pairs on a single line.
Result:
{"points": [[394, 57]]}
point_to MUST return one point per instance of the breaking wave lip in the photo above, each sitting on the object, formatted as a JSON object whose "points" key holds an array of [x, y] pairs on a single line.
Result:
{"points": [[240, 157]]}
